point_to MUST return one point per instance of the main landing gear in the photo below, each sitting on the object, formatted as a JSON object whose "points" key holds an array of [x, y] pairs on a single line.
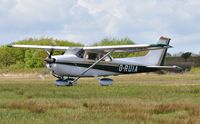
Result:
{"points": [[69, 81], [72, 82]]}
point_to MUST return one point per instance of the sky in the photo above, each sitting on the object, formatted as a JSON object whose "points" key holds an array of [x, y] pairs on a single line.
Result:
{"points": [[89, 21]]}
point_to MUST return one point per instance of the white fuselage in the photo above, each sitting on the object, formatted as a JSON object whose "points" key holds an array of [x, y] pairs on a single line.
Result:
{"points": [[73, 66], [69, 65]]}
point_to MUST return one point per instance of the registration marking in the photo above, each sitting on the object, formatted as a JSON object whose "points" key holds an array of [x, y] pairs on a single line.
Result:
{"points": [[128, 68]]}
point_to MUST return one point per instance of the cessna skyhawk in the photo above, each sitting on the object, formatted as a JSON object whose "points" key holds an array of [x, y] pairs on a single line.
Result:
{"points": [[97, 61]]}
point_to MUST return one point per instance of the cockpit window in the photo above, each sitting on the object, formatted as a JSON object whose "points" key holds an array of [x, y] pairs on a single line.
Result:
{"points": [[96, 56]]}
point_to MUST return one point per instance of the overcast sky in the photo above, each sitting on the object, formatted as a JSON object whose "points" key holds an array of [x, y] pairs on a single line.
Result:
{"points": [[89, 21]]}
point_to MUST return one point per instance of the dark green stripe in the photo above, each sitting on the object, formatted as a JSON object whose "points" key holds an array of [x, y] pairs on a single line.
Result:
{"points": [[109, 67]]}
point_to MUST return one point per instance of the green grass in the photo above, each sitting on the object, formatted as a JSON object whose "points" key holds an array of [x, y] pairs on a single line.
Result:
{"points": [[9, 70], [146, 98], [195, 70]]}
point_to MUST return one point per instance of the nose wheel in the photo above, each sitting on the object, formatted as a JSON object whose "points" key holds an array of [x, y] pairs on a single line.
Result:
{"points": [[105, 82], [65, 82]]}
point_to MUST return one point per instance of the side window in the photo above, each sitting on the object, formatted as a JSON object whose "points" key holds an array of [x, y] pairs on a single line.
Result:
{"points": [[92, 56], [96, 56]]}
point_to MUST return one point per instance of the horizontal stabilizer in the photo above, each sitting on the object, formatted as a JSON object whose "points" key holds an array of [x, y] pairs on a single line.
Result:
{"points": [[175, 68]]}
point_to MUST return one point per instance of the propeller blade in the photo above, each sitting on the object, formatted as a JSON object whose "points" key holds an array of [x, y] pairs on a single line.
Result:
{"points": [[50, 53]]}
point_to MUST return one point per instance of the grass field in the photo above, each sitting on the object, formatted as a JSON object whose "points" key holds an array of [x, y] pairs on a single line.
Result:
{"points": [[145, 98]]}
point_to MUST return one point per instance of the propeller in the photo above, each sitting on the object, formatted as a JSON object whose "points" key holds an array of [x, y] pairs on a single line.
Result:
{"points": [[50, 53], [48, 61]]}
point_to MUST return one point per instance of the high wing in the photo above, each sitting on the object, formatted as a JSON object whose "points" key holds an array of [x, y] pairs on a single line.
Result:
{"points": [[59, 48], [97, 49], [126, 48]]}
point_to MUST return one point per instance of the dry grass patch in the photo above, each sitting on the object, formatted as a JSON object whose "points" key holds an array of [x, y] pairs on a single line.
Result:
{"points": [[123, 110], [41, 106], [169, 108], [176, 113]]}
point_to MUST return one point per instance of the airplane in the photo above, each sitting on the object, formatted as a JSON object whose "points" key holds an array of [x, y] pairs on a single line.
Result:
{"points": [[96, 61]]}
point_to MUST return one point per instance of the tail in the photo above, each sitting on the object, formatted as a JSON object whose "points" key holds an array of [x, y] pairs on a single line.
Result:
{"points": [[157, 57], [154, 57]]}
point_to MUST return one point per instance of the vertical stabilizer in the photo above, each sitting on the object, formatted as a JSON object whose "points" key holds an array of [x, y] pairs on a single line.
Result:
{"points": [[153, 57], [156, 57]]}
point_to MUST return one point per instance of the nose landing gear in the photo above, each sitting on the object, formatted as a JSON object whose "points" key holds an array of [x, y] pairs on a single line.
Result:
{"points": [[65, 82], [105, 82]]}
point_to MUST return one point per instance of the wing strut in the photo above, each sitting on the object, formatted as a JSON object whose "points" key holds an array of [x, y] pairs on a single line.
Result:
{"points": [[94, 64]]}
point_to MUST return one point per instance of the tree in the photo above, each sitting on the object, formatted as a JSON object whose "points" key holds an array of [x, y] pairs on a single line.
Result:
{"points": [[186, 55], [9, 56], [123, 41], [27, 58], [113, 41], [33, 59]]}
